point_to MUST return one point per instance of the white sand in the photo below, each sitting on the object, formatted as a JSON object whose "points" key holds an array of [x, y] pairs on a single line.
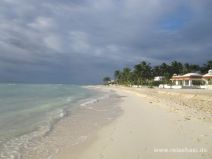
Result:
{"points": [[146, 125]]}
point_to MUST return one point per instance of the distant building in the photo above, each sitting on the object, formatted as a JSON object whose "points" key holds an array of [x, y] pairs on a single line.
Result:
{"points": [[111, 82], [158, 78], [208, 77], [188, 79], [191, 80]]}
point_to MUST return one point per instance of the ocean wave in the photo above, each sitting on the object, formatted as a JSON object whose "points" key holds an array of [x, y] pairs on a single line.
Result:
{"points": [[94, 100], [57, 114], [30, 112], [69, 99], [12, 148]]}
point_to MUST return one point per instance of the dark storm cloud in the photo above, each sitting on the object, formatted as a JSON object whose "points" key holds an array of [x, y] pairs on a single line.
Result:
{"points": [[79, 41]]}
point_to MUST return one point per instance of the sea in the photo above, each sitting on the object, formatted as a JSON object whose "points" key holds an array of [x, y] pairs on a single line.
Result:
{"points": [[29, 111]]}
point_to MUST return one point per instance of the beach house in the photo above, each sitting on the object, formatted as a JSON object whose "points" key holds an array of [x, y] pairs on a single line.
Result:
{"points": [[192, 80], [187, 80], [208, 77]]}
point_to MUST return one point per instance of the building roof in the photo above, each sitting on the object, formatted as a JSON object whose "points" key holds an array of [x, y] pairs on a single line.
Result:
{"points": [[187, 76], [192, 75], [207, 75]]}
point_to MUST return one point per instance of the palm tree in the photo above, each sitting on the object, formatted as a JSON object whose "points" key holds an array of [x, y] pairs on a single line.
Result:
{"points": [[186, 68], [117, 76], [209, 64], [106, 80], [166, 71], [176, 67], [143, 72], [156, 71], [137, 74], [206, 67], [126, 75], [194, 68]]}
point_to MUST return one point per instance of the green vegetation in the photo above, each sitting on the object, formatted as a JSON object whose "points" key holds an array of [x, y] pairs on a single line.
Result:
{"points": [[143, 73], [106, 80]]}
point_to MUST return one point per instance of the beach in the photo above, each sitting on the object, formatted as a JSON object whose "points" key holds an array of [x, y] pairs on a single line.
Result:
{"points": [[105, 79], [152, 126], [117, 122]]}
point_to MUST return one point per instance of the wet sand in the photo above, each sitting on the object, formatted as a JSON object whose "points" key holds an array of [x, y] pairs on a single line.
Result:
{"points": [[75, 132]]}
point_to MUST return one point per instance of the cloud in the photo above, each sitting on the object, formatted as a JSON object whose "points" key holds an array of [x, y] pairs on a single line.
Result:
{"points": [[42, 23], [79, 42], [53, 42], [82, 40]]}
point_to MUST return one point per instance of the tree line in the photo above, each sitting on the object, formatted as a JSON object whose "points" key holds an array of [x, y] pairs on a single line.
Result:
{"points": [[143, 73]]}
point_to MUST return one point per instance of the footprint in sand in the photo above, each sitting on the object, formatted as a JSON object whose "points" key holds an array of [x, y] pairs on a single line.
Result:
{"points": [[198, 139], [138, 156], [201, 137], [186, 118], [111, 139], [101, 156]]}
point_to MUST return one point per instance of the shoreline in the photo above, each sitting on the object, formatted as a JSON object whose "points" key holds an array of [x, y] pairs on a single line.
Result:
{"points": [[72, 133], [147, 125], [132, 123]]}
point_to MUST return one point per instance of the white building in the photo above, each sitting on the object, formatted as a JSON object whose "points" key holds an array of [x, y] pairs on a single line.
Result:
{"points": [[158, 78], [189, 79], [208, 77], [192, 80]]}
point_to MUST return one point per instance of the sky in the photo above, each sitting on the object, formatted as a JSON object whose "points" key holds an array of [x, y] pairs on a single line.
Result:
{"points": [[81, 41]]}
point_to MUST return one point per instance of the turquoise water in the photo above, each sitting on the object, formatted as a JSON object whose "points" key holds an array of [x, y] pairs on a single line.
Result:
{"points": [[28, 111]]}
